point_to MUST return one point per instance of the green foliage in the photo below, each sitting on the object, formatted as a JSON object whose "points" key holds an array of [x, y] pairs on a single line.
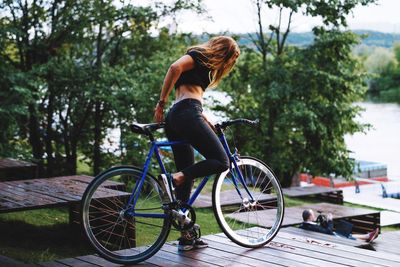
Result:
{"points": [[302, 96], [385, 84], [73, 70], [13, 108]]}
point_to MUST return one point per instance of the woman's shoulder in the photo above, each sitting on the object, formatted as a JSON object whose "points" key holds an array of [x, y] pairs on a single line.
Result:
{"points": [[197, 56]]}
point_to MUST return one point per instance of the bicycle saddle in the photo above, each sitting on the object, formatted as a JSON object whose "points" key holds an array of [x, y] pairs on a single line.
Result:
{"points": [[146, 129]]}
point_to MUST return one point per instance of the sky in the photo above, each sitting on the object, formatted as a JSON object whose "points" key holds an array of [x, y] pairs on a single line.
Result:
{"points": [[239, 16]]}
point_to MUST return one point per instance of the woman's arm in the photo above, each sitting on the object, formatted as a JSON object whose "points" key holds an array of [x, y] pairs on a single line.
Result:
{"points": [[183, 64]]}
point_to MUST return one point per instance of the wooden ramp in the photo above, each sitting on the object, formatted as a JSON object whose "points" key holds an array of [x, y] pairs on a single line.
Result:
{"points": [[364, 220], [63, 191], [388, 242], [5, 261], [287, 249], [327, 194], [230, 198], [371, 196], [13, 169]]}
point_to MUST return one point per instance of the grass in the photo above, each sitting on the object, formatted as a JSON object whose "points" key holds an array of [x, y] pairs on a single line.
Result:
{"points": [[45, 234], [83, 167], [40, 235]]}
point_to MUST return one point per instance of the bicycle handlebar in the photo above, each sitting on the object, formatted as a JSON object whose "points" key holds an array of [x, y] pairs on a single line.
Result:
{"points": [[225, 124]]}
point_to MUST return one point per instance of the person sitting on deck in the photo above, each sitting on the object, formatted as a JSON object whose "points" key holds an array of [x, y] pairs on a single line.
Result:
{"points": [[343, 229]]}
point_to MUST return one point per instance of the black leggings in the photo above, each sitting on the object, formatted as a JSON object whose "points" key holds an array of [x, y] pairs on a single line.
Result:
{"points": [[185, 121]]}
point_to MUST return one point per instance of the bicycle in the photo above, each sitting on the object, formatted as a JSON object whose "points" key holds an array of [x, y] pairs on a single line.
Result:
{"points": [[127, 213]]}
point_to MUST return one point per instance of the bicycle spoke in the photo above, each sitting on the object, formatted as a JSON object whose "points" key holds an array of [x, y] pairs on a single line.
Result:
{"points": [[259, 184], [107, 221]]}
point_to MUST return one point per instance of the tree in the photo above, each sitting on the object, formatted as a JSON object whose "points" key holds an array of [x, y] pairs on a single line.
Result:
{"points": [[33, 32], [303, 96], [73, 61]]}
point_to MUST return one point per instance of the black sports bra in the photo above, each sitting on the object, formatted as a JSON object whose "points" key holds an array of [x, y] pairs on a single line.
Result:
{"points": [[199, 75]]}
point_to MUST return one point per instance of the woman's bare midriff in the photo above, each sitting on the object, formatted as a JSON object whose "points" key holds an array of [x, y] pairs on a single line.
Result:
{"points": [[189, 91]]}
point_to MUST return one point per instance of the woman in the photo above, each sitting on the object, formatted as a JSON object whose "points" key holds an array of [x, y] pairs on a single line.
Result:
{"points": [[203, 66]]}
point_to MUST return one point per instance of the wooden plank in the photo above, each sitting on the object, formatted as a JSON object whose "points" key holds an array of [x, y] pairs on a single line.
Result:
{"points": [[159, 259], [51, 264], [50, 192], [364, 257], [23, 192], [33, 197], [44, 187], [289, 248], [198, 255], [390, 218], [228, 198], [346, 251], [21, 201], [96, 260], [76, 262], [326, 244], [13, 169], [60, 188], [330, 238], [277, 256], [9, 163], [64, 191], [293, 215], [180, 257], [308, 191], [388, 242], [214, 251], [6, 261]]}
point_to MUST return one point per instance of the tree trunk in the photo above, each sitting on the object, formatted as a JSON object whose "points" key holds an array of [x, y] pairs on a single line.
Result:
{"points": [[72, 159], [97, 138], [295, 180], [49, 133], [35, 139]]}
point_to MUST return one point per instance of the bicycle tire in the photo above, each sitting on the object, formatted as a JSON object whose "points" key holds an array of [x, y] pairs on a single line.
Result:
{"points": [[118, 238], [239, 226]]}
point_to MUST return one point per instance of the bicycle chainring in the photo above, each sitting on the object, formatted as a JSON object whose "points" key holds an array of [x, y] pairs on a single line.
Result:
{"points": [[181, 221]]}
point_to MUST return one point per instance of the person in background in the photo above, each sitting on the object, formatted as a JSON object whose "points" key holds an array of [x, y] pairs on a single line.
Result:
{"points": [[309, 223]]}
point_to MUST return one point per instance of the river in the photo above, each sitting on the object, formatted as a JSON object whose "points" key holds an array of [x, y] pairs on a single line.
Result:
{"points": [[382, 142]]}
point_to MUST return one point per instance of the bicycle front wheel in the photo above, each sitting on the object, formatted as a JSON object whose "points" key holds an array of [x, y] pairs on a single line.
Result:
{"points": [[120, 231], [249, 210]]}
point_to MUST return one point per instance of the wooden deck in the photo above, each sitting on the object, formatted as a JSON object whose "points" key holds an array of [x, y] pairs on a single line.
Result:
{"points": [[13, 169], [5, 261], [328, 194], [364, 220], [371, 195], [287, 249], [64, 191], [230, 198]]}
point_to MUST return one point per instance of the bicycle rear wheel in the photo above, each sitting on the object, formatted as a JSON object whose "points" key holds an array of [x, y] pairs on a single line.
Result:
{"points": [[114, 232], [250, 220]]}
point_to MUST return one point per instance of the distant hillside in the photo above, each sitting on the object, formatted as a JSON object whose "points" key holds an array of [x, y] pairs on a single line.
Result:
{"points": [[372, 38], [379, 38]]}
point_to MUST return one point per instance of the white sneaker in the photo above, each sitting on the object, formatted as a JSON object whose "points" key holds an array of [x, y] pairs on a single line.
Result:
{"points": [[167, 183]]}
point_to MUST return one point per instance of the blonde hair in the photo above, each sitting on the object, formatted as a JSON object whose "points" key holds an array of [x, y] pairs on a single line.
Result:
{"points": [[216, 55]]}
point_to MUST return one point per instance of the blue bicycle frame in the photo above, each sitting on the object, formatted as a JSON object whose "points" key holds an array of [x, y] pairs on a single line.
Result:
{"points": [[155, 150]]}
